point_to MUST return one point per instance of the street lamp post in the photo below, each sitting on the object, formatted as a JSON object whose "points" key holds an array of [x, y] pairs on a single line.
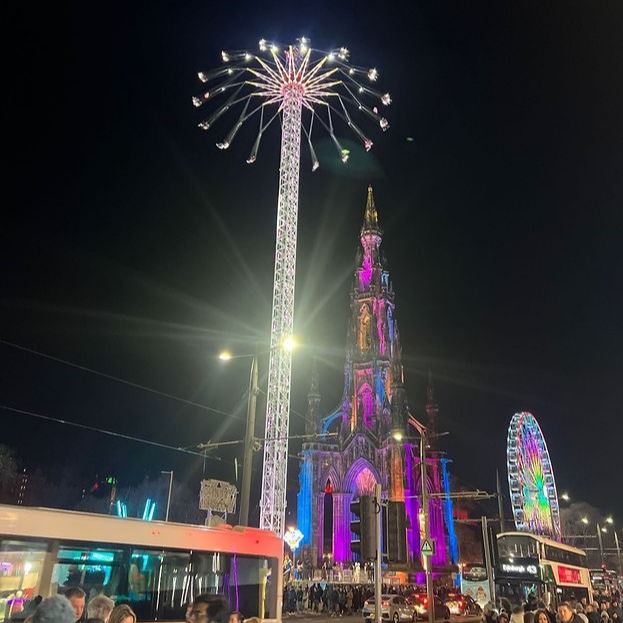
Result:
{"points": [[249, 440], [426, 560], [601, 545], [424, 510], [616, 542], [249, 436], [378, 573], [170, 473]]}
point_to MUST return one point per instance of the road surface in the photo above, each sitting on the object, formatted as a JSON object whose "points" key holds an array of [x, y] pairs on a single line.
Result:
{"points": [[357, 618]]}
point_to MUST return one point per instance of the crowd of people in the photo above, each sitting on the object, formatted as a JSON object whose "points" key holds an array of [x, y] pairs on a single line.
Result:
{"points": [[72, 607], [602, 610], [332, 599], [340, 599]]}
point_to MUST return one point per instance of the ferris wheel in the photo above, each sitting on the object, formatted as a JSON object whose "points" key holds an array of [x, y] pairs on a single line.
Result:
{"points": [[531, 478]]}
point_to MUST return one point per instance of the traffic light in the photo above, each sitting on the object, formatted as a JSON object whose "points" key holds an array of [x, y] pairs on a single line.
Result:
{"points": [[396, 532], [363, 543]]}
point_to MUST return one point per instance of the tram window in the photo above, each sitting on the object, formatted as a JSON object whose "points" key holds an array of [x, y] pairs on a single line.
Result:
{"points": [[95, 570], [20, 574], [159, 583], [240, 578]]}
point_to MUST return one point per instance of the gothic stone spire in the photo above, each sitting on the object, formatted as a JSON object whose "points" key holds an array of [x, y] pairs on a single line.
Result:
{"points": [[373, 341], [432, 408], [370, 219], [312, 423]]}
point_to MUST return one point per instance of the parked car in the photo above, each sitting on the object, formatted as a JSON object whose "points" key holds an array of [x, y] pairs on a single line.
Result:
{"points": [[420, 601], [394, 608], [462, 604]]}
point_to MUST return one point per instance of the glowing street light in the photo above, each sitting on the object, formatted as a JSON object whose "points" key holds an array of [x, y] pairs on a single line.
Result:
{"points": [[289, 343], [584, 520], [249, 436], [565, 496], [609, 520]]}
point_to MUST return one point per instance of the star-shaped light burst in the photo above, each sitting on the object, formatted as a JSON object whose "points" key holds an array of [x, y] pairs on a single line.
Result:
{"points": [[324, 82], [324, 85]]}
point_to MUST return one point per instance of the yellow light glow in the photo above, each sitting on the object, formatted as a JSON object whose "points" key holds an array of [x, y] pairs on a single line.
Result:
{"points": [[397, 435], [289, 343], [225, 355], [584, 519], [609, 520]]}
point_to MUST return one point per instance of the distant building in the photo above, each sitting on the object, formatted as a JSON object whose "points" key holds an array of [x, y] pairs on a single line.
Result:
{"points": [[365, 448]]}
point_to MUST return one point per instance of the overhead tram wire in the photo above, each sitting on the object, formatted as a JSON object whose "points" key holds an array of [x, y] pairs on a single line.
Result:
{"points": [[112, 433], [120, 380]]}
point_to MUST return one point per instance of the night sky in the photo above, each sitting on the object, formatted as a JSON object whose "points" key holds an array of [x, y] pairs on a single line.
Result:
{"points": [[131, 245]]}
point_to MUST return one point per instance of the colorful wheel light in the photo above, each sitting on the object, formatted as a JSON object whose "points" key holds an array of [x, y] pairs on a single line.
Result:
{"points": [[531, 478]]}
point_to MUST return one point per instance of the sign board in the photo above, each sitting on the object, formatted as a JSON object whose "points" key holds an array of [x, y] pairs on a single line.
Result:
{"points": [[428, 547], [568, 575], [217, 495], [479, 591], [474, 572], [520, 569]]}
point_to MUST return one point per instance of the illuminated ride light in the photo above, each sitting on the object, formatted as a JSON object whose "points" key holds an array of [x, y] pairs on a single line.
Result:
{"points": [[307, 87], [531, 478]]}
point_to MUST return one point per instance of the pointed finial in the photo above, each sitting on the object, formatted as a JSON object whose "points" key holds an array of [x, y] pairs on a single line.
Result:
{"points": [[371, 220], [314, 389], [431, 407]]}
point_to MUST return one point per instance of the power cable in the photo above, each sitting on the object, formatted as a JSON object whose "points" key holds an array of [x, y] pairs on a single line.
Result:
{"points": [[112, 433], [120, 380]]}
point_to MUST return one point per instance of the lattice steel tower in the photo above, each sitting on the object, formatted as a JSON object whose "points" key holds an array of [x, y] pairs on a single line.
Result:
{"points": [[328, 87]]}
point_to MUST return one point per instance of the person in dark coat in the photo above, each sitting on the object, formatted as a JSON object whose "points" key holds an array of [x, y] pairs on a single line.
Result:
{"points": [[566, 614], [592, 614]]}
